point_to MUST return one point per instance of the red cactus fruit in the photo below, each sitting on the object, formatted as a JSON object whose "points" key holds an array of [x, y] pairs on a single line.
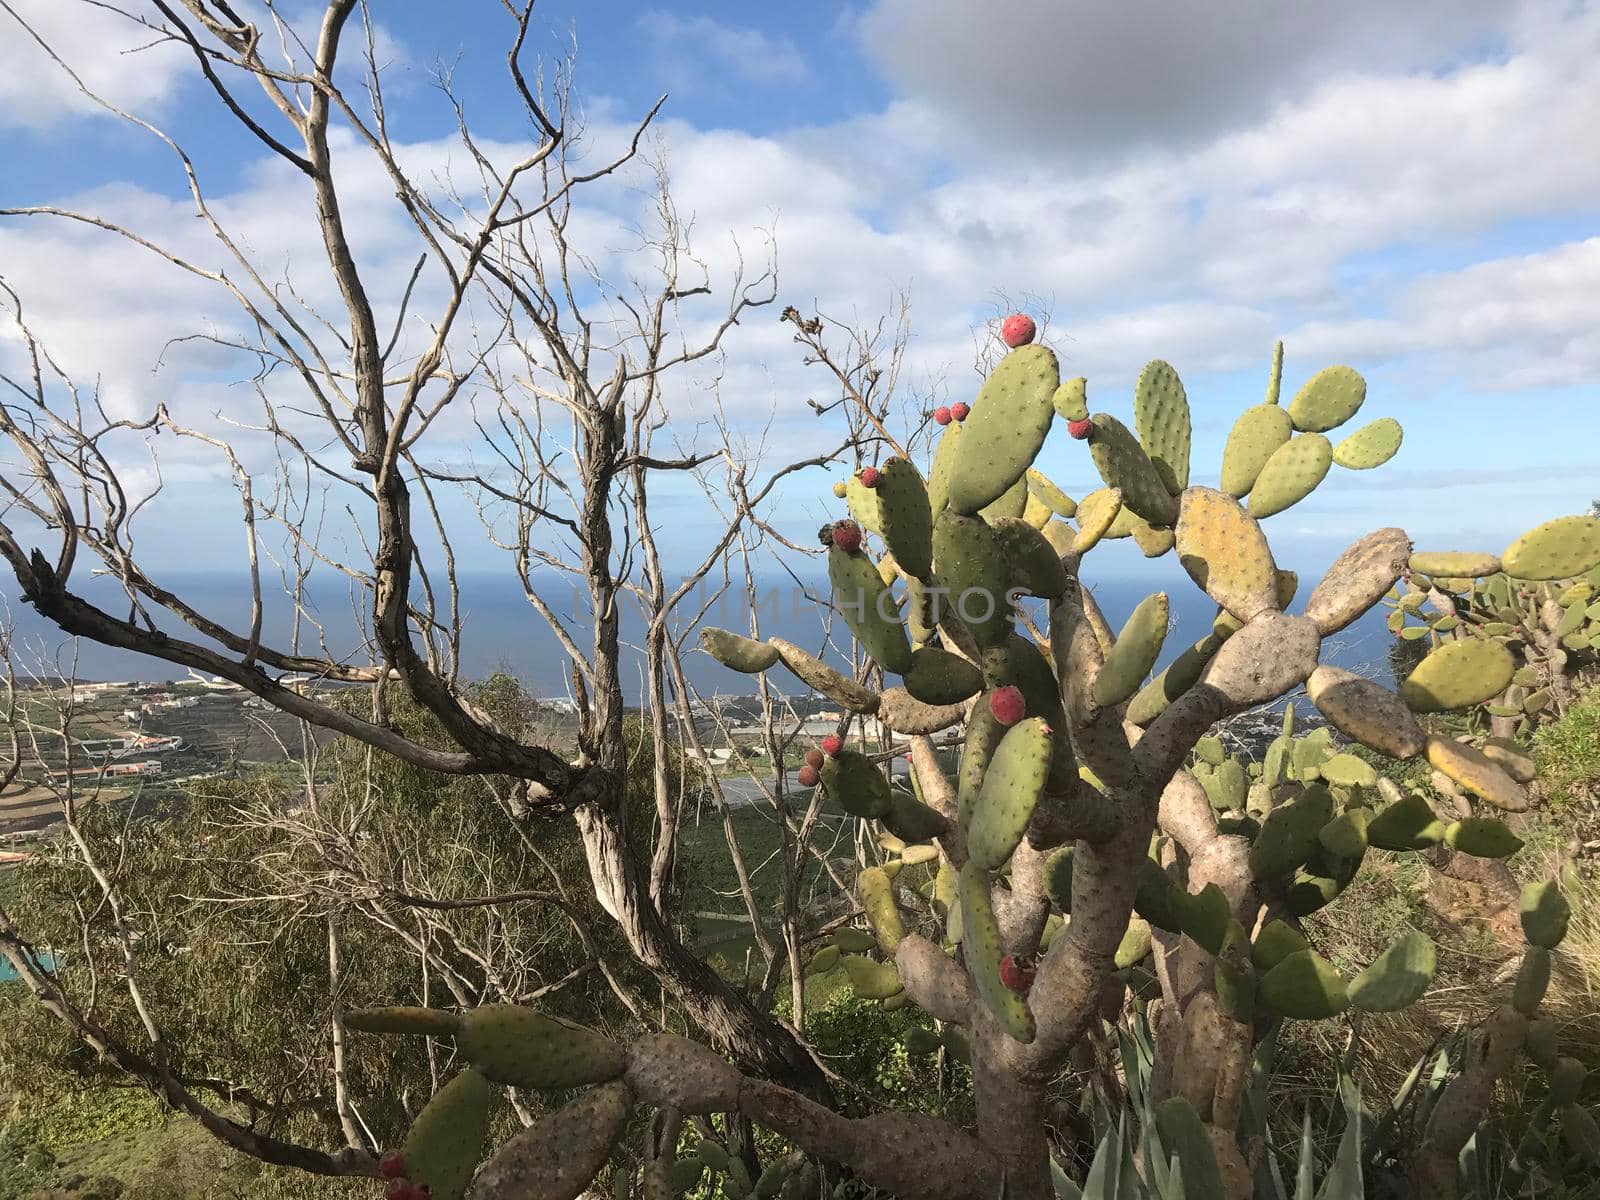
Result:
{"points": [[398, 1188], [847, 536], [1018, 330], [808, 776], [1080, 429], [392, 1165], [1006, 705], [869, 477], [832, 744], [959, 412], [814, 758], [941, 415], [1018, 977]]}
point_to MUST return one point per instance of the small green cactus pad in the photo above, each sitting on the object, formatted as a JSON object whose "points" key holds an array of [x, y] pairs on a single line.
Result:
{"points": [[1374, 444], [823, 961], [1510, 757], [1558, 549], [1124, 465], [1304, 986], [1407, 824], [1012, 502], [1209, 750], [1035, 566], [1275, 377], [1358, 579], [1047, 493], [868, 607], [1184, 1136], [983, 736], [1544, 1042], [1006, 428], [1058, 878], [920, 615], [905, 515], [1360, 709], [1036, 513], [1127, 521], [1458, 674], [983, 949], [1455, 564], [518, 1046], [1566, 1080], [1233, 976], [1226, 554], [850, 940], [1398, 977], [938, 677], [1482, 837], [1291, 474], [1310, 892], [1153, 541], [944, 456], [1010, 792], [864, 504], [1476, 772], [1159, 900], [856, 784], [1346, 835], [1178, 677], [1231, 786], [815, 673], [1545, 913], [1135, 944], [1289, 834], [1347, 770], [1136, 650], [1255, 437], [1581, 1133], [870, 980], [1328, 399], [445, 1142], [1533, 980], [738, 653], [418, 1022], [558, 1156], [1096, 514], [1161, 415], [877, 901], [975, 572], [1205, 918], [1276, 941], [1071, 400]]}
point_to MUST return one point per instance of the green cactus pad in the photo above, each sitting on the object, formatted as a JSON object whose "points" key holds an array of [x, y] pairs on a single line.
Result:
{"points": [[1458, 674], [1175, 679], [1374, 444], [1071, 400], [1276, 942], [1047, 493], [738, 653], [853, 941], [1159, 900], [1011, 503], [1226, 554], [1209, 750], [1304, 986], [1309, 893], [1545, 913], [815, 673], [1360, 709], [1398, 977], [870, 980], [1347, 770], [1255, 437], [518, 1046], [1058, 878], [1153, 541], [1135, 944], [877, 901], [445, 1142], [944, 456], [1184, 1136], [938, 677], [1127, 521], [983, 736], [1328, 399], [1136, 650], [1124, 465], [418, 1022], [1006, 428], [983, 949], [1482, 837], [1544, 1042], [869, 609], [823, 961], [1346, 835], [1232, 785], [856, 784], [1408, 824], [1233, 976], [1558, 549], [864, 504], [1096, 515], [1010, 792], [1533, 980], [1205, 918], [907, 523], [1161, 416], [1275, 377], [976, 573], [1289, 833], [1476, 772], [1455, 564], [1291, 474], [1035, 566]]}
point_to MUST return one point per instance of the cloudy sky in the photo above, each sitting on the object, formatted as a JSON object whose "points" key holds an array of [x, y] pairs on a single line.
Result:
{"points": [[1411, 189]]}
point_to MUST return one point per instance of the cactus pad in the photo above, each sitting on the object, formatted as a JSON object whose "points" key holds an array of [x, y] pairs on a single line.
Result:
{"points": [[518, 1046], [1071, 400], [815, 673], [939, 677], [863, 503], [1458, 674], [1374, 444], [1455, 564], [1545, 913], [1096, 515], [870, 980], [1360, 709], [1153, 540], [1012, 502], [1348, 770], [1006, 428], [1225, 553], [1289, 834], [869, 608], [419, 1022], [1304, 986], [974, 570], [1161, 415], [1533, 980], [1136, 650], [1291, 474], [1407, 824], [1358, 579], [738, 653], [856, 784], [1035, 566], [907, 523], [1255, 437], [1558, 549], [1206, 915], [877, 901], [1124, 465], [1398, 977], [1178, 677], [1276, 941], [1010, 792], [445, 1142], [1328, 399], [983, 949], [1346, 835], [1047, 493], [944, 456], [1482, 837]]}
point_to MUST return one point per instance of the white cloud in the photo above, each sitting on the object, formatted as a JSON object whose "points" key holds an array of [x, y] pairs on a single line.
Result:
{"points": [[690, 51]]}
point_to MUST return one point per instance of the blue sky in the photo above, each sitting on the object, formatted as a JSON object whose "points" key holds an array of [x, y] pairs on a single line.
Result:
{"points": [[1411, 189]]}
